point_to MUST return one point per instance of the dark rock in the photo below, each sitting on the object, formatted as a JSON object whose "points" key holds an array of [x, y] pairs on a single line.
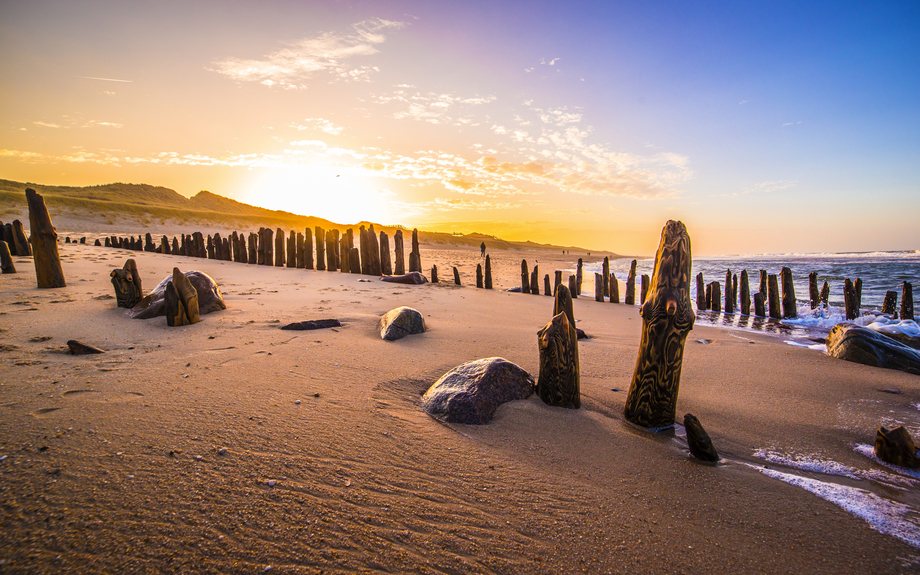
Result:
{"points": [[80, 348], [154, 304], [412, 278], [470, 393], [895, 447], [312, 324], [581, 333], [863, 345], [698, 440], [516, 289], [400, 322]]}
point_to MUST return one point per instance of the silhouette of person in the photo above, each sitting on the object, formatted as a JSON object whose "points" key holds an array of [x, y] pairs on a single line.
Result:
{"points": [[482, 249]]}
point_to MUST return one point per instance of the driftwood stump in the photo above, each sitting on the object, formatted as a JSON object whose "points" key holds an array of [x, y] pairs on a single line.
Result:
{"points": [[716, 291], [291, 260], [598, 287], [667, 318], [729, 298], [557, 280], [789, 303], [546, 287], [534, 280], [320, 248], [857, 286], [814, 297], [128, 287], [330, 252], [400, 268], [386, 264], [760, 310], [631, 285], [434, 274], [825, 294], [456, 276], [525, 277], [6, 259], [479, 282], [279, 248], [181, 301], [605, 277], [643, 288], [849, 299], [773, 297], [308, 249], [614, 288], [48, 270], [488, 271], [745, 293], [708, 296], [579, 274], [373, 252], [700, 292], [558, 382], [415, 258], [907, 301], [354, 260], [563, 304], [23, 248], [763, 284], [698, 440], [891, 302], [573, 287]]}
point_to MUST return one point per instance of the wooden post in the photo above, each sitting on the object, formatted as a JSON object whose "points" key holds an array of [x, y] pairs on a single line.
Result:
{"points": [[558, 280], [525, 277], [456, 276], [23, 248], [546, 287], [373, 252], [320, 248], [764, 282], [354, 260], [614, 288], [605, 278], [416, 265], [729, 300], [181, 301], [700, 292], [365, 256], [344, 254], [598, 287], [175, 246], [292, 250], [308, 249], [907, 301], [890, 303], [269, 250], [631, 284], [148, 243], [716, 297], [48, 270], [708, 296], [735, 291], [488, 271], [330, 252], [6, 259], [745, 293], [479, 276], [7, 230], [563, 304], [337, 243], [386, 264], [825, 294], [579, 274], [534, 280], [789, 303], [813, 296], [773, 297], [643, 288], [400, 253], [434, 274], [210, 247], [558, 382], [760, 309], [300, 257], [667, 318], [849, 299], [573, 284], [857, 285], [279, 248]]}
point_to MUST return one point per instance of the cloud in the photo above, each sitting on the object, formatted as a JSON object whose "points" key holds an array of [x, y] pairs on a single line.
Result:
{"points": [[46, 125], [72, 123], [290, 67], [451, 204], [432, 107], [105, 79], [743, 102], [320, 124]]}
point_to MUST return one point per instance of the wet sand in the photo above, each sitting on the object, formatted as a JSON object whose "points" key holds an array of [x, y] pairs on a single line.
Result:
{"points": [[231, 446]]}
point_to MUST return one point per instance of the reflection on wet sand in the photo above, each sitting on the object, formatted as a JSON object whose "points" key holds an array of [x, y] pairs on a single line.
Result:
{"points": [[753, 323]]}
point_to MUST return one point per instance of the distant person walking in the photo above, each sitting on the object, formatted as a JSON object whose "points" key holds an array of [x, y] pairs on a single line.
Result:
{"points": [[482, 249]]}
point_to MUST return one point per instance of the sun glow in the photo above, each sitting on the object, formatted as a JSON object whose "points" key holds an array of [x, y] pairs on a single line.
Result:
{"points": [[337, 193]]}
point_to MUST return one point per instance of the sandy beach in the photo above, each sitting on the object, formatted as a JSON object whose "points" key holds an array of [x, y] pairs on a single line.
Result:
{"points": [[231, 446]]}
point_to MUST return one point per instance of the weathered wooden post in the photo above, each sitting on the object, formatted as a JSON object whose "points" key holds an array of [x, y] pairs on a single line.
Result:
{"points": [[557, 280], [631, 285], [716, 290], [373, 251], [415, 258], [456, 276], [320, 248], [210, 248], [269, 250], [279, 248], [579, 274], [479, 276], [175, 246], [386, 264], [344, 254], [891, 303], [729, 299], [23, 248], [6, 235], [764, 282], [400, 253], [547, 289], [291, 250], [745, 293], [598, 287], [525, 277], [708, 296], [857, 285], [789, 303], [6, 259], [760, 309], [48, 270], [735, 291], [573, 284], [225, 252], [181, 301], [614, 288], [488, 271], [773, 297], [128, 286], [534, 280], [605, 278], [337, 243], [365, 253], [667, 318], [164, 245], [148, 243], [330, 252], [700, 292], [825, 294], [199, 244], [301, 256], [849, 299], [813, 296], [308, 249], [907, 301], [434, 274], [563, 303], [558, 382], [643, 288]]}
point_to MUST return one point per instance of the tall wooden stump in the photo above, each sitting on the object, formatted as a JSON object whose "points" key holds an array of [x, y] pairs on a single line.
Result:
{"points": [[210, 248], [434, 274], [760, 309], [525, 277], [857, 285], [546, 287], [198, 238], [534, 280], [320, 248], [400, 268], [344, 254], [181, 301], [667, 318], [175, 246], [745, 293], [48, 270], [814, 297], [573, 285], [907, 301], [579, 273], [6, 259], [773, 299], [614, 288], [630, 298], [558, 382], [643, 288], [890, 304], [269, 249], [789, 304], [764, 282], [7, 230], [23, 248], [148, 243], [415, 258], [563, 304], [557, 277], [373, 252], [700, 292], [708, 296], [729, 299], [716, 303], [735, 291], [308, 249], [279, 248], [164, 245], [291, 259], [825, 294], [850, 304], [301, 256], [386, 264], [479, 276], [363, 247], [598, 287], [330, 252], [456, 276], [606, 276], [488, 271]]}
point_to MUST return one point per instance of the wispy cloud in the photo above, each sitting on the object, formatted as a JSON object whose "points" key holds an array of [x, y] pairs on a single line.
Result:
{"points": [[73, 123], [105, 79], [432, 107], [451, 204], [319, 124], [47, 125], [290, 67]]}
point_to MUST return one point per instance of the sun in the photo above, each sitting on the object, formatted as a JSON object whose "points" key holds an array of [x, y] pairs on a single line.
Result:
{"points": [[340, 194]]}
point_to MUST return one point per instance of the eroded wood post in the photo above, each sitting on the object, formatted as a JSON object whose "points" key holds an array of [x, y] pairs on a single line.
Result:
{"points": [[760, 309], [546, 287], [631, 285], [907, 301], [6, 259], [850, 304], [479, 276], [534, 280], [488, 271], [764, 282], [643, 288], [557, 280], [301, 256], [558, 382], [776, 311], [292, 250], [857, 285], [579, 273], [598, 287], [573, 284], [456, 276], [614, 288], [48, 270], [400, 253], [415, 258], [667, 318], [525, 277], [716, 291], [386, 264], [813, 296], [891, 302], [700, 292], [605, 278], [789, 303], [23, 248], [279, 248], [745, 293], [320, 248], [330, 252], [373, 252], [825, 294], [729, 300], [308, 249], [434, 274]]}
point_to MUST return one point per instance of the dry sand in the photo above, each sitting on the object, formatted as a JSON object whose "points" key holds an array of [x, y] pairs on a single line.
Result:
{"points": [[231, 446]]}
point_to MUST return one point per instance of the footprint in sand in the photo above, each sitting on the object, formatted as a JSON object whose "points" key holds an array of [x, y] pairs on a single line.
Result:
{"points": [[44, 411]]}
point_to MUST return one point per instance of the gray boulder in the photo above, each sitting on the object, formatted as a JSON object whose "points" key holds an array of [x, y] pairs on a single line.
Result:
{"points": [[470, 393], [863, 345], [400, 322]]}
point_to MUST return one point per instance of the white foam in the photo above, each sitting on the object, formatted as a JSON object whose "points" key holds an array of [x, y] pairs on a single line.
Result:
{"points": [[816, 464], [869, 451], [815, 346], [882, 515]]}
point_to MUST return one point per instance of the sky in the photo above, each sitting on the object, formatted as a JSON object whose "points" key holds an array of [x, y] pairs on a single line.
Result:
{"points": [[766, 127]]}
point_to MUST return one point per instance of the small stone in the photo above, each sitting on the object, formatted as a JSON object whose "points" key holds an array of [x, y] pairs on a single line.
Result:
{"points": [[315, 395], [895, 447], [296, 402], [698, 440], [198, 458], [271, 482], [222, 451], [400, 322]]}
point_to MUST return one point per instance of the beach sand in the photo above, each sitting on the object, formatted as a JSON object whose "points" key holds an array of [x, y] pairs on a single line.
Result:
{"points": [[231, 446]]}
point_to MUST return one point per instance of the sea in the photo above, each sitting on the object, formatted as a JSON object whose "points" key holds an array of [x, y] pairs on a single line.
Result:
{"points": [[880, 272]]}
